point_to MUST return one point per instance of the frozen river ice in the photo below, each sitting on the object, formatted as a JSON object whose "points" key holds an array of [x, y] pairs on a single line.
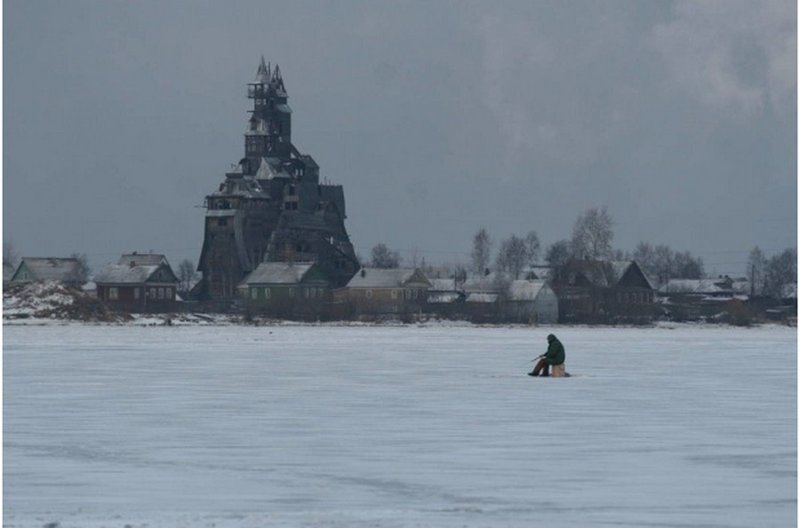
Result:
{"points": [[398, 427]]}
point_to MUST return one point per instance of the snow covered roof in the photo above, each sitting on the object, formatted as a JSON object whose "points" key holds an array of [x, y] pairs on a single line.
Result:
{"points": [[525, 290], [694, 286], [278, 273], [51, 268], [385, 278], [491, 283], [268, 170], [443, 297], [482, 298], [148, 259], [442, 285], [125, 274]]}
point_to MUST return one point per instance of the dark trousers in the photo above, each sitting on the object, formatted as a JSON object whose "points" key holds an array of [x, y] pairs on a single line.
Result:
{"points": [[542, 368]]}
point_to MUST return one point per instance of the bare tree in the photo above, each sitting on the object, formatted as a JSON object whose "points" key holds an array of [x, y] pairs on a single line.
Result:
{"points": [[9, 255], [662, 263], [382, 257], [558, 253], [512, 256], [644, 255], [780, 270], [756, 264], [481, 250], [592, 234], [532, 247], [685, 266], [186, 275]]}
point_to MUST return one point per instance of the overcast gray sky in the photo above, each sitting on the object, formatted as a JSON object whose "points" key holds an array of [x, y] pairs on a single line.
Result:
{"points": [[437, 117]]}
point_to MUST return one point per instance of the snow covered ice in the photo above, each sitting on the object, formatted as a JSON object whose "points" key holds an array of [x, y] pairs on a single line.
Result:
{"points": [[398, 427]]}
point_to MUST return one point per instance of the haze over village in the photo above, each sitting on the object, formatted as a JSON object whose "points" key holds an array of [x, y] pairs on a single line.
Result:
{"points": [[368, 264]]}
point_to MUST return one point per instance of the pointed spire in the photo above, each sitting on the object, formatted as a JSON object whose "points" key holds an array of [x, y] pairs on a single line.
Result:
{"points": [[277, 78], [262, 75]]}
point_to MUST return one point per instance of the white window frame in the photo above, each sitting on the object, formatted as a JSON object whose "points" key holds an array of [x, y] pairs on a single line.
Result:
{"points": [[113, 293]]}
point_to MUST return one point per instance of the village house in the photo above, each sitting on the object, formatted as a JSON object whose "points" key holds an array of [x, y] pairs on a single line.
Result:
{"points": [[138, 283], [377, 291], [69, 271], [694, 299], [603, 291], [531, 301], [287, 289], [445, 298], [722, 287], [483, 295]]}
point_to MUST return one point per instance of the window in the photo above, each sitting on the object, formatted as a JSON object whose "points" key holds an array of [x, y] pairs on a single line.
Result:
{"points": [[161, 293], [222, 222], [136, 293], [152, 293], [254, 293], [291, 292], [266, 293], [306, 292], [394, 294], [368, 294], [320, 292], [113, 293]]}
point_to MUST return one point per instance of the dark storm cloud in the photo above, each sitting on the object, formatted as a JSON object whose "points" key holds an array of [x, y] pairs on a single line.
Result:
{"points": [[437, 118]]}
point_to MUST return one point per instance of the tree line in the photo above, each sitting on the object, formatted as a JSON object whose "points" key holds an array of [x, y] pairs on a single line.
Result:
{"points": [[592, 238]]}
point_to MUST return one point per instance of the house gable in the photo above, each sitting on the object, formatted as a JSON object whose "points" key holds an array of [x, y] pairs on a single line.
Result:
{"points": [[634, 277]]}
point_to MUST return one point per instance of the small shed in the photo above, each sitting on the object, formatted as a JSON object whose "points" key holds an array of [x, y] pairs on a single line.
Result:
{"points": [[138, 283]]}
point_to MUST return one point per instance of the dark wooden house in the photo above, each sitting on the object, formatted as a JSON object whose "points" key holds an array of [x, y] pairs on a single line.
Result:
{"points": [[272, 207], [138, 283], [602, 291]]}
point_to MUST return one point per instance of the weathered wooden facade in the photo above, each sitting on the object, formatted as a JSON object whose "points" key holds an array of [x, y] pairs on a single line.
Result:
{"points": [[603, 291], [272, 207], [287, 289], [138, 283], [377, 291]]}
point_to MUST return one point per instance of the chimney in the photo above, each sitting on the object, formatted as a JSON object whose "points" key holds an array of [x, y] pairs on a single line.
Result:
{"points": [[363, 272]]}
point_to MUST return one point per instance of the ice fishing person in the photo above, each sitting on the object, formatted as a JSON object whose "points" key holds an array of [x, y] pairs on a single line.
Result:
{"points": [[554, 357]]}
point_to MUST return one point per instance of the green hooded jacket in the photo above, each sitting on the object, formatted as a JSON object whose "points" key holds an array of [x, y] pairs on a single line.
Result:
{"points": [[555, 352]]}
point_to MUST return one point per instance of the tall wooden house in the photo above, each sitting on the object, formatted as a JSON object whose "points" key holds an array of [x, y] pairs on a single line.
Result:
{"points": [[138, 283], [603, 291], [271, 207]]}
